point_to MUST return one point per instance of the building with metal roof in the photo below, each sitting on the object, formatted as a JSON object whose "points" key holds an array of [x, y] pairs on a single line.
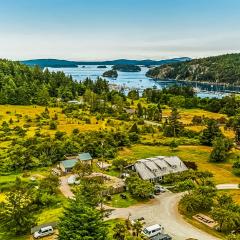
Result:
{"points": [[67, 165], [155, 168], [85, 157]]}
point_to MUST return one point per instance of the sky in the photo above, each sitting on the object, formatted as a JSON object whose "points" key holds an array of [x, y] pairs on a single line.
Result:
{"points": [[113, 29]]}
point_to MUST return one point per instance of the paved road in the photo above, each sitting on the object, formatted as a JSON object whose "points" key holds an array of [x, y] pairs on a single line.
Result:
{"points": [[163, 210], [227, 186]]}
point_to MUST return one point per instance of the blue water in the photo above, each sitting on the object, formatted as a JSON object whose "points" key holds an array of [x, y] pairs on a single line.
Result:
{"points": [[137, 80]]}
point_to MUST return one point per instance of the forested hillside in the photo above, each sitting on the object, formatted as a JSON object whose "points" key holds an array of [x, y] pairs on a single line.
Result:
{"points": [[221, 69], [21, 84]]}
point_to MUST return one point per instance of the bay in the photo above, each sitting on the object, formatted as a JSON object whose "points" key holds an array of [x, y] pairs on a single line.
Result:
{"points": [[138, 80]]}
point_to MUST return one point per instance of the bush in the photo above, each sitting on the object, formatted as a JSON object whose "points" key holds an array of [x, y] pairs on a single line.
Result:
{"points": [[185, 186], [139, 188], [52, 125], [46, 199]]}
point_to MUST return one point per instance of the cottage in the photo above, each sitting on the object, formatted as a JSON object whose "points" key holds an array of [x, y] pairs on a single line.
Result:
{"points": [[154, 169], [85, 157], [67, 165]]}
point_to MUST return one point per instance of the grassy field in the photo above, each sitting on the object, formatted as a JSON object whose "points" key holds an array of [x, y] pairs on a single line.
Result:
{"points": [[234, 193], [49, 215], [187, 114], [118, 202], [199, 154], [65, 124]]}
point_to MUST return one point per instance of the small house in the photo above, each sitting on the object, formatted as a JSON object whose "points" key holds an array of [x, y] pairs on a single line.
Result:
{"points": [[85, 157], [67, 165]]}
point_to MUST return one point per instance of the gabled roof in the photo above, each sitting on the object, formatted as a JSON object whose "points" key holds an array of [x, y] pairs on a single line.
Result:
{"points": [[69, 163], [159, 166], [85, 156]]}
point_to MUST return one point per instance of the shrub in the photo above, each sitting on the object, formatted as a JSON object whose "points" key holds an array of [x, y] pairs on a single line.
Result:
{"points": [[185, 186], [52, 125]]}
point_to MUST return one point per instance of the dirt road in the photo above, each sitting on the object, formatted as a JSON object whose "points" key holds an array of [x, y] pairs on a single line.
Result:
{"points": [[65, 188]]}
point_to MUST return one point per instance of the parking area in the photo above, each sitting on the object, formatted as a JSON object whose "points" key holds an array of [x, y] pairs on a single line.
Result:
{"points": [[163, 210]]}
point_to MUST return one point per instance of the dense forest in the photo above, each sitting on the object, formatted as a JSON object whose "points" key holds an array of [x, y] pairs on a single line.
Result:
{"points": [[219, 69], [24, 85]]}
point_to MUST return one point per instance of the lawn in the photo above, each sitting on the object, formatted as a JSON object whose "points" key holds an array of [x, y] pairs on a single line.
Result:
{"points": [[199, 154], [49, 215], [118, 202], [38, 174]]}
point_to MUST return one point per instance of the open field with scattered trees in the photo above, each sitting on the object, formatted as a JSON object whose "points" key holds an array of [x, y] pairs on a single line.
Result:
{"points": [[45, 117]]}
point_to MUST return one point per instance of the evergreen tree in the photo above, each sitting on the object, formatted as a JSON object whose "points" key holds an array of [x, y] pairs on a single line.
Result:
{"points": [[174, 127], [220, 151], [210, 133], [139, 110], [81, 221]]}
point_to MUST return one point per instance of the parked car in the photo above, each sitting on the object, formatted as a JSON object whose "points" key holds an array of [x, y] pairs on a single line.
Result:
{"points": [[153, 230], [162, 237], [159, 189], [73, 180], [44, 231]]}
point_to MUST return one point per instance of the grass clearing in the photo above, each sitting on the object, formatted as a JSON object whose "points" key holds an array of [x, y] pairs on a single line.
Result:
{"points": [[199, 154], [49, 215], [188, 114], [118, 202]]}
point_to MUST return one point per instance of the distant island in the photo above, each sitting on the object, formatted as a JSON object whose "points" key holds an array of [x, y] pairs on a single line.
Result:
{"points": [[218, 69], [126, 68], [54, 63], [57, 63], [110, 73]]}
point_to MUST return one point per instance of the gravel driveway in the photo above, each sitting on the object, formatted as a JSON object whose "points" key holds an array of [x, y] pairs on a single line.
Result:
{"points": [[65, 188], [163, 210]]}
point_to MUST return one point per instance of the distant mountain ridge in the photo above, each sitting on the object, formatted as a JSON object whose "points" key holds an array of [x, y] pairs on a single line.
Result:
{"points": [[57, 63]]}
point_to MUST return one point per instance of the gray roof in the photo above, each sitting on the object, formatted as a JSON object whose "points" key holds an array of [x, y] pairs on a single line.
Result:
{"points": [[85, 156], [69, 163], [159, 166]]}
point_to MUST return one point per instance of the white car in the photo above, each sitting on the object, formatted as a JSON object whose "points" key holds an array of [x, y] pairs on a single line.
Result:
{"points": [[73, 180], [152, 230], [44, 231]]}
